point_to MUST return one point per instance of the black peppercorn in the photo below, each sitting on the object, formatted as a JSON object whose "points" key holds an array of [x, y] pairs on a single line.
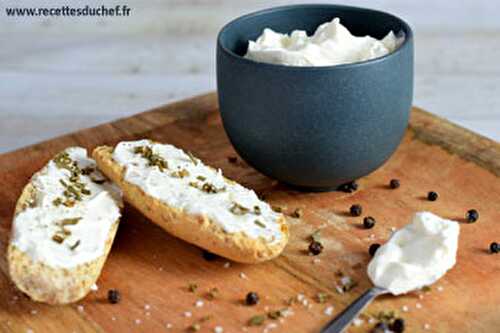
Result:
{"points": [[398, 325], [373, 249], [494, 247], [252, 298], [394, 183], [348, 187], [472, 216], [209, 256], [356, 210], [315, 248], [432, 196], [369, 222], [113, 296]]}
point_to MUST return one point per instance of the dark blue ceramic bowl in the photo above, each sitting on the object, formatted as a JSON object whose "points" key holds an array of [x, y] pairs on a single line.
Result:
{"points": [[314, 127]]}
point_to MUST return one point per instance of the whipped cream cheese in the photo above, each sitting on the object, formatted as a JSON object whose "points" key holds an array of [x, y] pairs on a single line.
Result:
{"points": [[417, 255], [64, 227], [184, 182], [331, 44]]}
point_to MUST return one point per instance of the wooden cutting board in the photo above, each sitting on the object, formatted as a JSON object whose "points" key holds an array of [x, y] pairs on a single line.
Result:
{"points": [[152, 270]]}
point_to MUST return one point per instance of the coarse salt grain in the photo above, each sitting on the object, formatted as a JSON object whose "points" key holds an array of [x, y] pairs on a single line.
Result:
{"points": [[427, 327], [358, 322], [198, 303], [218, 329], [328, 311], [187, 314], [80, 308], [168, 325], [243, 276], [346, 280], [439, 288], [404, 308], [227, 264], [418, 306], [138, 321], [94, 287], [147, 307], [300, 297]]}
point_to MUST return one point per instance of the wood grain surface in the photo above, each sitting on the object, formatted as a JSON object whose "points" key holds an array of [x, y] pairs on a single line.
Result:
{"points": [[152, 270]]}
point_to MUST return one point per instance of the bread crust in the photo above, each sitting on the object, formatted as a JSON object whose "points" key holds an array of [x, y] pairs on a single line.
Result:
{"points": [[195, 229], [47, 284]]}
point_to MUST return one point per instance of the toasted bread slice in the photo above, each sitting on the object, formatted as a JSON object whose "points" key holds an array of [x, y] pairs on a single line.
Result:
{"points": [[64, 224], [193, 201]]}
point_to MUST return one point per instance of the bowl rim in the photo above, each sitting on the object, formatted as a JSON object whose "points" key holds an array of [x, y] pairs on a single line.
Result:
{"points": [[405, 27]]}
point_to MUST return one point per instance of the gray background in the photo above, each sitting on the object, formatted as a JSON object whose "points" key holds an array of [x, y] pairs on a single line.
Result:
{"points": [[58, 75]]}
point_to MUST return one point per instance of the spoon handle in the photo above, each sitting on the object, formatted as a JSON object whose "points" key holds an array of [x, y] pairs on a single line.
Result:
{"points": [[344, 319]]}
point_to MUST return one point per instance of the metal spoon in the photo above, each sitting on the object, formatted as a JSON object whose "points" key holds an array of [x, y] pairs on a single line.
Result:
{"points": [[344, 319]]}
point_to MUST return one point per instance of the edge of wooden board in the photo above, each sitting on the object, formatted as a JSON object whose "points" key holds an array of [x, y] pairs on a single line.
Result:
{"points": [[425, 127]]}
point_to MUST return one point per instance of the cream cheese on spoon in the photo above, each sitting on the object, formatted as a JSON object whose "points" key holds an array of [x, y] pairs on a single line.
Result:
{"points": [[331, 44], [417, 255]]}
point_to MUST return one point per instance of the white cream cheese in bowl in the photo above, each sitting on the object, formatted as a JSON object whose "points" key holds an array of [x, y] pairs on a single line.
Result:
{"points": [[417, 255], [331, 44]]}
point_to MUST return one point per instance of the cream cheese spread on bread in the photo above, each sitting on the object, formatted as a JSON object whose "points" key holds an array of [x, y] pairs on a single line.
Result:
{"points": [[72, 210], [180, 180]]}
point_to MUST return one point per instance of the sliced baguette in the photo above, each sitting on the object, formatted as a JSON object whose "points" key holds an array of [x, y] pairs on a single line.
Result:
{"points": [[31, 269], [196, 228]]}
